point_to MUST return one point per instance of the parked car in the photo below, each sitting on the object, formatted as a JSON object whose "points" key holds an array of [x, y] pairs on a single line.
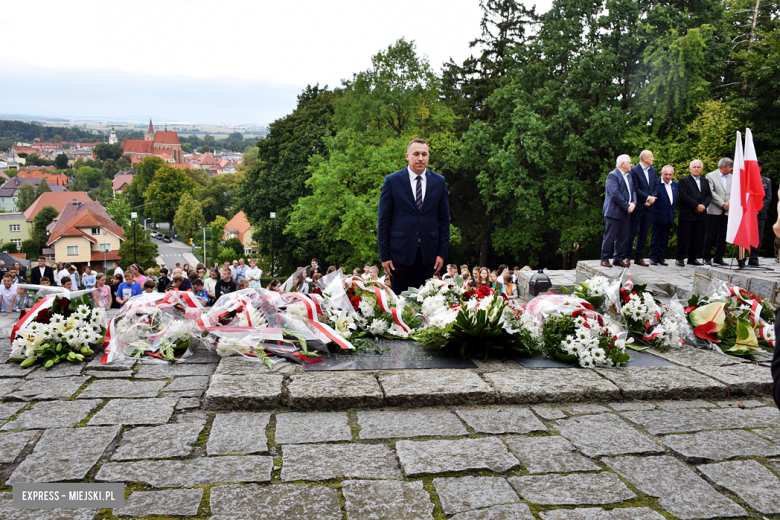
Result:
{"points": [[166, 239]]}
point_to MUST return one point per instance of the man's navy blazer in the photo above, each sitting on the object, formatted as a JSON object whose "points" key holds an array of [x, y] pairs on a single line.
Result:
{"points": [[617, 198], [663, 209], [401, 226], [643, 189]]}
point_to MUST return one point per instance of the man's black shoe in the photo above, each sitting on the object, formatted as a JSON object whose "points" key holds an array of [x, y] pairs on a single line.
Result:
{"points": [[680, 263], [719, 261], [662, 262], [695, 262], [653, 261], [753, 263], [708, 261]]}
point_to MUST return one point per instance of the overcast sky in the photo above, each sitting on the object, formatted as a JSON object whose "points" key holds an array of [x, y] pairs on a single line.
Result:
{"points": [[227, 61]]}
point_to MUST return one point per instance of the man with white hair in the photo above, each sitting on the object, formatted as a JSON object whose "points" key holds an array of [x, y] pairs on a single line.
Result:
{"points": [[695, 196], [667, 191], [619, 203], [718, 212]]}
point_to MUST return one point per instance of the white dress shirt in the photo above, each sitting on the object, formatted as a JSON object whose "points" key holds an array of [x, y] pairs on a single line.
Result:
{"points": [[669, 191], [698, 182], [628, 186], [413, 179]]}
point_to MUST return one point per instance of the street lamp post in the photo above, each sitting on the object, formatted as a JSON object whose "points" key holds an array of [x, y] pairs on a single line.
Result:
{"points": [[134, 216], [273, 218]]}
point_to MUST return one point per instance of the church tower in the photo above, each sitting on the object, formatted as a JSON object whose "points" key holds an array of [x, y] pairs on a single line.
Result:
{"points": [[112, 136], [149, 133]]}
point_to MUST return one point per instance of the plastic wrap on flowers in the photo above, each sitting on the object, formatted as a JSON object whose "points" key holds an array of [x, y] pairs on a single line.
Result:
{"points": [[662, 325], [57, 328], [157, 327], [731, 319], [258, 343], [546, 305], [236, 309], [599, 291]]}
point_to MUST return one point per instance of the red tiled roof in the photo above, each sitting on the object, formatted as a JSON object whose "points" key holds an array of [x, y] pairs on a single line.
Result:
{"points": [[72, 210], [166, 137], [239, 223], [86, 219], [181, 166], [120, 181], [206, 159], [137, 146], [23, 256], [58, 200]]}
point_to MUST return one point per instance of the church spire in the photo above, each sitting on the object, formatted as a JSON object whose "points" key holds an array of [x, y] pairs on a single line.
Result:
{"points": [[150, 132]]}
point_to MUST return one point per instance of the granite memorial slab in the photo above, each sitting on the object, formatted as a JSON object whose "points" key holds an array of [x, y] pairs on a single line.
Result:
{"points": [[400, 354], [279, 502], [636, 359]]}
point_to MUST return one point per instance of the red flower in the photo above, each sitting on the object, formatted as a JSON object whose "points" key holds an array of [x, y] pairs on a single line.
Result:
{"points": [[22, 313], [355, 301], [689, 309], [63, 302], [708, 331], [43, 316], [483, 291], [317, 290], [468, 294]]}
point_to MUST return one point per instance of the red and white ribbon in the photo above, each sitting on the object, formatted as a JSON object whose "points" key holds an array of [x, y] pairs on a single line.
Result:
{"points": [[29, 317]]}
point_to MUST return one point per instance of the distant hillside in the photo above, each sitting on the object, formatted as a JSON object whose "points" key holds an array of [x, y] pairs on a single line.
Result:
{"points": [[13, 131]]}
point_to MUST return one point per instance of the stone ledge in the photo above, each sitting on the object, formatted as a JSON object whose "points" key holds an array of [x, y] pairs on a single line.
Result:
{"points": [[334, 391], [435, 387]]}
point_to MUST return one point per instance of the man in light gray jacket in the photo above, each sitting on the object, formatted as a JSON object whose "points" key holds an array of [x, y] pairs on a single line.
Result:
{"points": [[718, 212]]}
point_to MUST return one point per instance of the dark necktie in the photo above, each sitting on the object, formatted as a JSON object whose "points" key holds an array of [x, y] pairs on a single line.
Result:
{"points": [[418, 195]]}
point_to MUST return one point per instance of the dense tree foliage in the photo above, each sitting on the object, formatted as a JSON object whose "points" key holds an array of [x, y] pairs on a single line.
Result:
{"points": [[137, 247], [277, 179], [526, 129]]}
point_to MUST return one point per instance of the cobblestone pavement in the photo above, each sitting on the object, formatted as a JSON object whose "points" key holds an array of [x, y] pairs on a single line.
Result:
{"points": [[228, 439]]}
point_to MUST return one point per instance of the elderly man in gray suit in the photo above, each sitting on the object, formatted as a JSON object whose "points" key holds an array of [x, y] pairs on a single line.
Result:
{"points": [[718, 212]]}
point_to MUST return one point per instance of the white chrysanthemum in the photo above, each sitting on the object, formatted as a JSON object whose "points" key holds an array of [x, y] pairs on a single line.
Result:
{"points": [[395, 330], [378, 327], [228, 347], [366, 307]]}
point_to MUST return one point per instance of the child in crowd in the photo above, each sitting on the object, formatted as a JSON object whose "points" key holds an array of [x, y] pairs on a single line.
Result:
{"points": [[23, 300], [176, 282], [88, 278], [66, 283], [7, 294], [74, 277], [128, 288], [275, 285], [45, 281], [164, 281], [210, 284], [243, 284], [200, 292], [224, 285], [149, 285], [101, 294], [452, 272]]}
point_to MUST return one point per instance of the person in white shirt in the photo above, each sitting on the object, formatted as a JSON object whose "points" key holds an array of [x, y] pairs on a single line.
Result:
{"points": [[7, 294], [662, 214], [117, 270], [63, 271]]}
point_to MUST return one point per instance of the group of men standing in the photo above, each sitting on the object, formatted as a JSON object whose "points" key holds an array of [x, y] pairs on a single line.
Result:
{"points": [[637, 199]]}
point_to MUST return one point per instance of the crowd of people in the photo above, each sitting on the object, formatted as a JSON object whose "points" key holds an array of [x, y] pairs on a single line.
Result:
{"points": [[637, 199]]}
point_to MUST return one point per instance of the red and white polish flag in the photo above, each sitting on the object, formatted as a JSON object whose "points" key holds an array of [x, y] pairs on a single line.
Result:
{"points": [[747, 193]]}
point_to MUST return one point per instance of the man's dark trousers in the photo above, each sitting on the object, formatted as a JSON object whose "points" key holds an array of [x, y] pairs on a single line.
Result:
{"points": [[615, 244], [716, 236], [659, 240], [405, 276], [689, 233], [640, 225]]}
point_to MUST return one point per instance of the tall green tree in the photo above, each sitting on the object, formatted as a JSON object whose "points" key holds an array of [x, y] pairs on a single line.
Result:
{"points": [[188, 217], [61, 161], [105, 151], [165, 192], [25, 197], [43, 187], [119, 209], [145, 171], [217, 230], [218, 195], [277, 180], [45, 216], [138, 247]]}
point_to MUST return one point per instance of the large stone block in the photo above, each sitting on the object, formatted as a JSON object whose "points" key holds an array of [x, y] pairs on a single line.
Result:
{"points": [[435, 387], [742, 379], [334, 391], [281, 502], [606, 434], [380, 499], [589, 488], [177, 502], [248, 392], [713, 446], [467, 493], [50, 414], [203, 471], [408, 423], [552, 384], [311, 427], [662, 383], [135, 412], [749, 480], [327, 461], [238, 433], [441, 456], [552, 454], [506, 420]]}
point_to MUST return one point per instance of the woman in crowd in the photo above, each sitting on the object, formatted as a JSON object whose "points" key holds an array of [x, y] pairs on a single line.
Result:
{"points": [[356, 271], [253, 274], [138, 274], [474, 277], [115, 281], [21, 272], [483, 277], [62, 270], [210, 285], [275, 285], [101, 294], [331, 269], [185, 270], [496, 283], [314, 281]]}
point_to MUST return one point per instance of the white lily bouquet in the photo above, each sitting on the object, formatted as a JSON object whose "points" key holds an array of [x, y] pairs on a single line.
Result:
{"points": [[58, 329]]}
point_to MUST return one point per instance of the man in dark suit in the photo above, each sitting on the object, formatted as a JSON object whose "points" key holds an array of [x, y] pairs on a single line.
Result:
{"points": [[413, 228], [761, 215], [665, 192], [645, 178], [619, 203], [42, 270], [695, 196]]}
